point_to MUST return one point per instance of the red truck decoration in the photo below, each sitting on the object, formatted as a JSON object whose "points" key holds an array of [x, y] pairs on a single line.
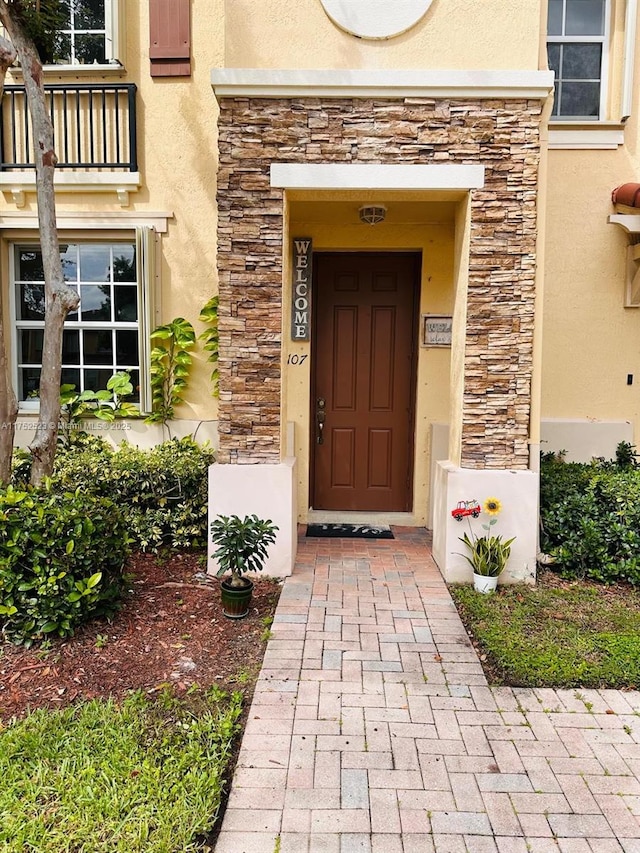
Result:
{"points": [[465, 508]]}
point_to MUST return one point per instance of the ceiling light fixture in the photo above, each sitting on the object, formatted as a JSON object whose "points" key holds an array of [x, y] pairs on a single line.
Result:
{"points": [[372, 213]]}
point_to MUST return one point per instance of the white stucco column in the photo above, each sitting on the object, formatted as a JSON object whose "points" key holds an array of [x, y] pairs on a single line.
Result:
{"points": [[517, 491], [268, 491]]}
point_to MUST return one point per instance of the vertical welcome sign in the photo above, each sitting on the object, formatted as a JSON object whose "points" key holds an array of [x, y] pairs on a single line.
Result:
{"points": [[301, 290]]}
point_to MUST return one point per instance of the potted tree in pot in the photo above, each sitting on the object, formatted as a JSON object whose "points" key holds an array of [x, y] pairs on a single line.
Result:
{"points": [[488, 554], [242, 547]]}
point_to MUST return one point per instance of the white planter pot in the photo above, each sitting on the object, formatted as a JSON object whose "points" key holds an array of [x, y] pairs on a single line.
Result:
{"points": [[484, 584]]}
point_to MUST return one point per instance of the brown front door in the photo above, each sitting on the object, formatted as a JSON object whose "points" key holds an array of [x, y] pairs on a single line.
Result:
{"points": [[365, 323]]}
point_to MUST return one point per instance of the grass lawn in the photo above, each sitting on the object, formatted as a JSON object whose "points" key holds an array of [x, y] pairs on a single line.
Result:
{"points": [[556, 634], [142, 775], [123, 738]]}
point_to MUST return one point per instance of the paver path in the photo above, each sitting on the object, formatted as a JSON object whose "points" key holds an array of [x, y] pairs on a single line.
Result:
{"points": [[373, 728]]}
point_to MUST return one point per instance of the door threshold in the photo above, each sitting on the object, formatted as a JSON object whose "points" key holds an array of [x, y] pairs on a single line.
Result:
{"points": [[336, 516]]}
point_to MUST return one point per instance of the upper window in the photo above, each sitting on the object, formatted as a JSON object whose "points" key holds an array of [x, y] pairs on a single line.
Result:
{"points": [[101, 336], [82, 39], [88, 33], [576, 46]]}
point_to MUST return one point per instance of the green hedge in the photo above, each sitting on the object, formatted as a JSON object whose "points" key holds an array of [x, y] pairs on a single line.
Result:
{"points": [[161, 492], [590, 519], [61, 559]]}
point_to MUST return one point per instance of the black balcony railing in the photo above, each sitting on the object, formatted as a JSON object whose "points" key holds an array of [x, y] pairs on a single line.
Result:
{"points": [[94, 127]]}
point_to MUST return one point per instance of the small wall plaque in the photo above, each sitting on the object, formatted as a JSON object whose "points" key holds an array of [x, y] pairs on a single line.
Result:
{"points": [[436, 330], [301, 289]]}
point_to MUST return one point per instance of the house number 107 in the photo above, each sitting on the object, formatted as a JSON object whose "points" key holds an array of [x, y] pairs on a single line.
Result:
{"points": [[296, 359]]}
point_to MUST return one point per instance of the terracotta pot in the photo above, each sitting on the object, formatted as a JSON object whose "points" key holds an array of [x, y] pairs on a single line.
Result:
{"points": [[236, 599], [484, 583]]}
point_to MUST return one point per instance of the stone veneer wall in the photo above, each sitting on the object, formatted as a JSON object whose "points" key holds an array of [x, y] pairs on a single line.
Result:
{"points": [[502, 135]]}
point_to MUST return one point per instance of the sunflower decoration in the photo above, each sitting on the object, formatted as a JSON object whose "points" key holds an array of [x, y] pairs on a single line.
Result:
{"points": [[492, 506], [489, 553]]}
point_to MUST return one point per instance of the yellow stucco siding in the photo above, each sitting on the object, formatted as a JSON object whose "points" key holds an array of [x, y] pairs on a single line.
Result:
{"points": [[490, 34], [177, 161], [591, 342]]}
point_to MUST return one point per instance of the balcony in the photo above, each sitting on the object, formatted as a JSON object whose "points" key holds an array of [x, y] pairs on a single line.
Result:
{"points": [[94, 129]]}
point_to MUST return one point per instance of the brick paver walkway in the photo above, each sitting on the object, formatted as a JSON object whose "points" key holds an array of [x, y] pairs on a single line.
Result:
{"points": [[373, 728]]}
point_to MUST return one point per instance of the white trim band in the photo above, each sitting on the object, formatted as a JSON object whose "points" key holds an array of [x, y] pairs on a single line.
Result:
{"points": [[17, 184], [74, 181], [368, 83], [352, 176], [586, 139], [81, 220]]}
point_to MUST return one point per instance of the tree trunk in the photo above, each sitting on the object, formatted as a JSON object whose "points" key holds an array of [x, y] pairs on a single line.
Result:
{"points": [[8, 411], [8, 402], [59, 298]]}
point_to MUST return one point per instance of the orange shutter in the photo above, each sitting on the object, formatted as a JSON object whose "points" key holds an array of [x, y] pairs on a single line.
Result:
{"points": [[170, 38]]}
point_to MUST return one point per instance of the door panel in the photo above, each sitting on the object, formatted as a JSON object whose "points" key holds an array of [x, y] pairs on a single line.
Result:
{"points": [[345, 338], [365, 316], [343, 463], [383, 325], [380, 460]]}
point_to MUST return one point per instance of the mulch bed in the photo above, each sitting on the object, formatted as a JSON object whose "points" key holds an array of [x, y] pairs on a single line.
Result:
{"points": [[170, 631]]}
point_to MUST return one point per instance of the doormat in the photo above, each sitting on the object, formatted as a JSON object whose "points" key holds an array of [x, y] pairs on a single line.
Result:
{"points": [[350, 531]]}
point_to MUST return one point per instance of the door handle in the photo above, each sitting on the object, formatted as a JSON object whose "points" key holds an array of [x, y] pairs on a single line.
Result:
{"points": [[320, 419]]}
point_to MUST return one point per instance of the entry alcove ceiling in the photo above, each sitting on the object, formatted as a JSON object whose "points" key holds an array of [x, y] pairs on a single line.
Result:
{"points": [[325, 208]]}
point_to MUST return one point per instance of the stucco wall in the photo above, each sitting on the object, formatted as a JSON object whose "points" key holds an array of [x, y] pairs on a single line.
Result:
{"points": [[453, 34], [177, 130], [591, 342]]}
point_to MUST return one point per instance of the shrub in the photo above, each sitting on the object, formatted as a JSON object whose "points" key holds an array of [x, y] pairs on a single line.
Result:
{"points": [[61, 559], [20, 467], [560, 480], [161, 492], [590, 517]]}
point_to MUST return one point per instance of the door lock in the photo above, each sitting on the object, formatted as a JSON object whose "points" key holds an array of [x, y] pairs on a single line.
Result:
{"points": [[320, 419]]}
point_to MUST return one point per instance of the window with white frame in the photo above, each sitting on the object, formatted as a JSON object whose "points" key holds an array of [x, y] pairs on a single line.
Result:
{"points": [[576, 47], [88, 33], [102, 336]]}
